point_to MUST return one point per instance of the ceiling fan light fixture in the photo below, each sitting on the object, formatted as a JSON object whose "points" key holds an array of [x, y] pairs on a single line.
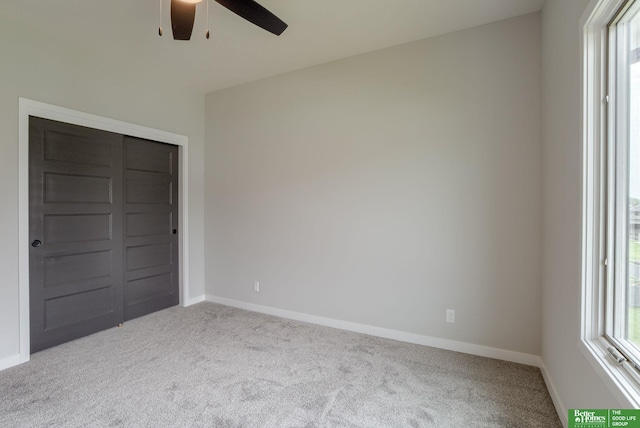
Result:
{"points": [[182, 17]]}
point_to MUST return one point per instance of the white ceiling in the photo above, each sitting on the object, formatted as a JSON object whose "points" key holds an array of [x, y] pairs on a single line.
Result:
{"points": [[238, 52]]}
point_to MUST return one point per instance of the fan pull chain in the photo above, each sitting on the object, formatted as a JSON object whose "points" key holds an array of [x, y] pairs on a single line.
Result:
{"points": [[207, 33], [160, 26]]}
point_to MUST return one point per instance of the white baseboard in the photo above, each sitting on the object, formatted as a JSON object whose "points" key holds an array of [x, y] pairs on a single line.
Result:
{"points": [[555, 397], [11, 361], [194, 300], [451, 345]]}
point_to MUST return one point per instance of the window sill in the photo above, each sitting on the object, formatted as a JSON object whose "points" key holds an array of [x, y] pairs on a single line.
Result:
{"points": [[621, 384]]}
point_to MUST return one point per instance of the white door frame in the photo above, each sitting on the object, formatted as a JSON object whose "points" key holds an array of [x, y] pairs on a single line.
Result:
{"points": [[28, 108]]}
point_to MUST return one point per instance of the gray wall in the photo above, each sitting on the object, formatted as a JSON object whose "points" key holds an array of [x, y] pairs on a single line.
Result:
{"points": [[577, 384], [37, 66], [384, 188]]}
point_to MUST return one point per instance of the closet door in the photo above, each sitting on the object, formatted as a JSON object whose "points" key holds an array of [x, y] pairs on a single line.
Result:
{"points": [[151, 226], [75, 229]]}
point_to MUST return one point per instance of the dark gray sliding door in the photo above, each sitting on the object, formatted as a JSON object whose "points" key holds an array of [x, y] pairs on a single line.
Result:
{"points": [[151, 219], [103, 230], [75, 261]]}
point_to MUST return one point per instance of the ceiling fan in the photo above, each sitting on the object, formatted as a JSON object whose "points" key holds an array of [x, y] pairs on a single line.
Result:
{"points": [[183, 13]]}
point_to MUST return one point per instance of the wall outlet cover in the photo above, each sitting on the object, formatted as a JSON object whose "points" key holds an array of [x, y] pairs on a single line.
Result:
{"points": [[451, 316]]}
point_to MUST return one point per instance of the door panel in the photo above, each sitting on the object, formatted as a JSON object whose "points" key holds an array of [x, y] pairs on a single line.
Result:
{"points": [[66, 145], [148, 224], [77, 267], [149, 289], [151, 213], [147, 191], [76, 213], [147, 256], [139, 158], [77, 188], [83, 307], [63, 228]]}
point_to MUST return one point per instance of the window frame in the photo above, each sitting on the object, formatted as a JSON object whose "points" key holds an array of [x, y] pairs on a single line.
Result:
{"points": [[597, 159], [617, 197]]}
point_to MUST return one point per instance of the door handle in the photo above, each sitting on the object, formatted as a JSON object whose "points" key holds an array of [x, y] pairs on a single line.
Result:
{"points": [[36, 243], [175, 231]]}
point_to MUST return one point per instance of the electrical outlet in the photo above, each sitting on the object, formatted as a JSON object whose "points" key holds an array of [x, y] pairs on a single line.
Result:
{"points": [[256, 286], [451, 315]]}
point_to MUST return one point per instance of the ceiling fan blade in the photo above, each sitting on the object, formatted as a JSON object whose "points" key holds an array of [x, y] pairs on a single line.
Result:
{"points": [[182, 17], [256, 14]]}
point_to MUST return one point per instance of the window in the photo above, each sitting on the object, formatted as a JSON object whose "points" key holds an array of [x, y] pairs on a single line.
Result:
{"points": [[611, 195], [622, 280]]}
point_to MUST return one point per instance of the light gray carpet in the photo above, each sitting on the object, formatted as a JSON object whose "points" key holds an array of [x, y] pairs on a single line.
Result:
{"points": [[215, 366]]}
